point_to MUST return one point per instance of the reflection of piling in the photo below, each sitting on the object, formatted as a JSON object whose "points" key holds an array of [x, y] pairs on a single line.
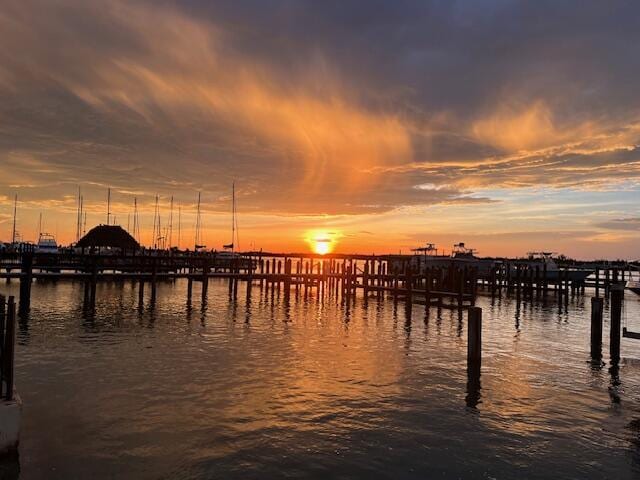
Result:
{"points": [[617, 294], [597, 305]]}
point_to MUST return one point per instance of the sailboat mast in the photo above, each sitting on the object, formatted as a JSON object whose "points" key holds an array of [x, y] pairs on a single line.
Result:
{"points": [[78, 216], [154, 235], [40, 226], [81, 219], [171, 223], [108, 205], [233, 215], [197, 240], [15, 211], [179, 223], [135, 216]]}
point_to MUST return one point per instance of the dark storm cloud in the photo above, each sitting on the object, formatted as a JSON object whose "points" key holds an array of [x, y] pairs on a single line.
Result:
{"points": [[319, 107]]}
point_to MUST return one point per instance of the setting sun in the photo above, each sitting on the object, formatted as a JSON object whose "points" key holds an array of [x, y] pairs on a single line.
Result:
{"points": [[322, 246], [321, 242]]}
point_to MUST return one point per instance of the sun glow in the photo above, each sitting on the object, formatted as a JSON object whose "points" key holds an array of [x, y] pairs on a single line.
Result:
{"points": [[321, 242]]}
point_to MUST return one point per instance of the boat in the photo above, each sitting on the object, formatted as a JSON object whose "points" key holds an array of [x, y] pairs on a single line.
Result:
{"points": [[466, 256], [228, 256], [549, 269], [46, 244], [461, 256]]}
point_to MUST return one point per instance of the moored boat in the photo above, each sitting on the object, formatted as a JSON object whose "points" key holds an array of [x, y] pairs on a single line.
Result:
{"points": [[461, 256], [549, 269], [46, 244]]}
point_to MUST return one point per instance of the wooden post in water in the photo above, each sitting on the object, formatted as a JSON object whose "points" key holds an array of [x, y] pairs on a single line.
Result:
{"points": [[461, 283], [236, 275], [205, 280], [249, 280], [189, 285], [141, 292], [474, 336], [365, 279], [287, 279], [597, 305], [154, 279], [3, 306], [617, 295], [26, 278], [94, 283], [427, 288], [9, 346], [474, 356]]}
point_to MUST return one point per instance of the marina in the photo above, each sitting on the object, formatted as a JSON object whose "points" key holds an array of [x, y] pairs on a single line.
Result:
{"points": [[319, 240]]}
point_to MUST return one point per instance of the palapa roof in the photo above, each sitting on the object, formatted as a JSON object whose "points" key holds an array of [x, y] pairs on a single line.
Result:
{"points": [[113, 236]]}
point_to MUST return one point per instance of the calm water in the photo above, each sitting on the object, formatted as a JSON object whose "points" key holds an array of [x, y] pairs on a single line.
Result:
{"points": [[314, 390]]}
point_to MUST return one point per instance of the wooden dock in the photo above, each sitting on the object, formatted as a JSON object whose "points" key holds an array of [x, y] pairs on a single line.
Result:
{"points": [[449, 285]]}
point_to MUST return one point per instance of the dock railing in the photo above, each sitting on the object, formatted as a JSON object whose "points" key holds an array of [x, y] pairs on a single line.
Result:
{"points": [[7, 345]]}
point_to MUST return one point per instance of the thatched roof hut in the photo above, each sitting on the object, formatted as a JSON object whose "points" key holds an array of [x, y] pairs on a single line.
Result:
{"points": [[108, 236]]}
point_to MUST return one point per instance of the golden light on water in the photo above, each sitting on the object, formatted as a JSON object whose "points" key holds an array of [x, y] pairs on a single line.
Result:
{"points": [[321, 242]]}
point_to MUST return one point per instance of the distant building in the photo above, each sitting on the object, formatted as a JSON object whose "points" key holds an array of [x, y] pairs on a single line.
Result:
{"points": [[109, 238]]}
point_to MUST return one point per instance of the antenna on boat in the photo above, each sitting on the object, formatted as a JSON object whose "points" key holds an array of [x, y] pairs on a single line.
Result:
{"points": [[15, 211], [39, 225]]}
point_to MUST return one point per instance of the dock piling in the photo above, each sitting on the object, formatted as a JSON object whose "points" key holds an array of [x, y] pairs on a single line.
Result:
{"points": [[617, 295], [597, 305]]}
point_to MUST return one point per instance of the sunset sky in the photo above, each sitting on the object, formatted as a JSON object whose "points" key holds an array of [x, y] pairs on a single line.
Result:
{"points": [[511, 126]]}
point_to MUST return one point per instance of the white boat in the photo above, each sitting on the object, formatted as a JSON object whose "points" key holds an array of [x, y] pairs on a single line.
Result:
{"points": [[547, 264], [461, 256], [46, 244]]}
